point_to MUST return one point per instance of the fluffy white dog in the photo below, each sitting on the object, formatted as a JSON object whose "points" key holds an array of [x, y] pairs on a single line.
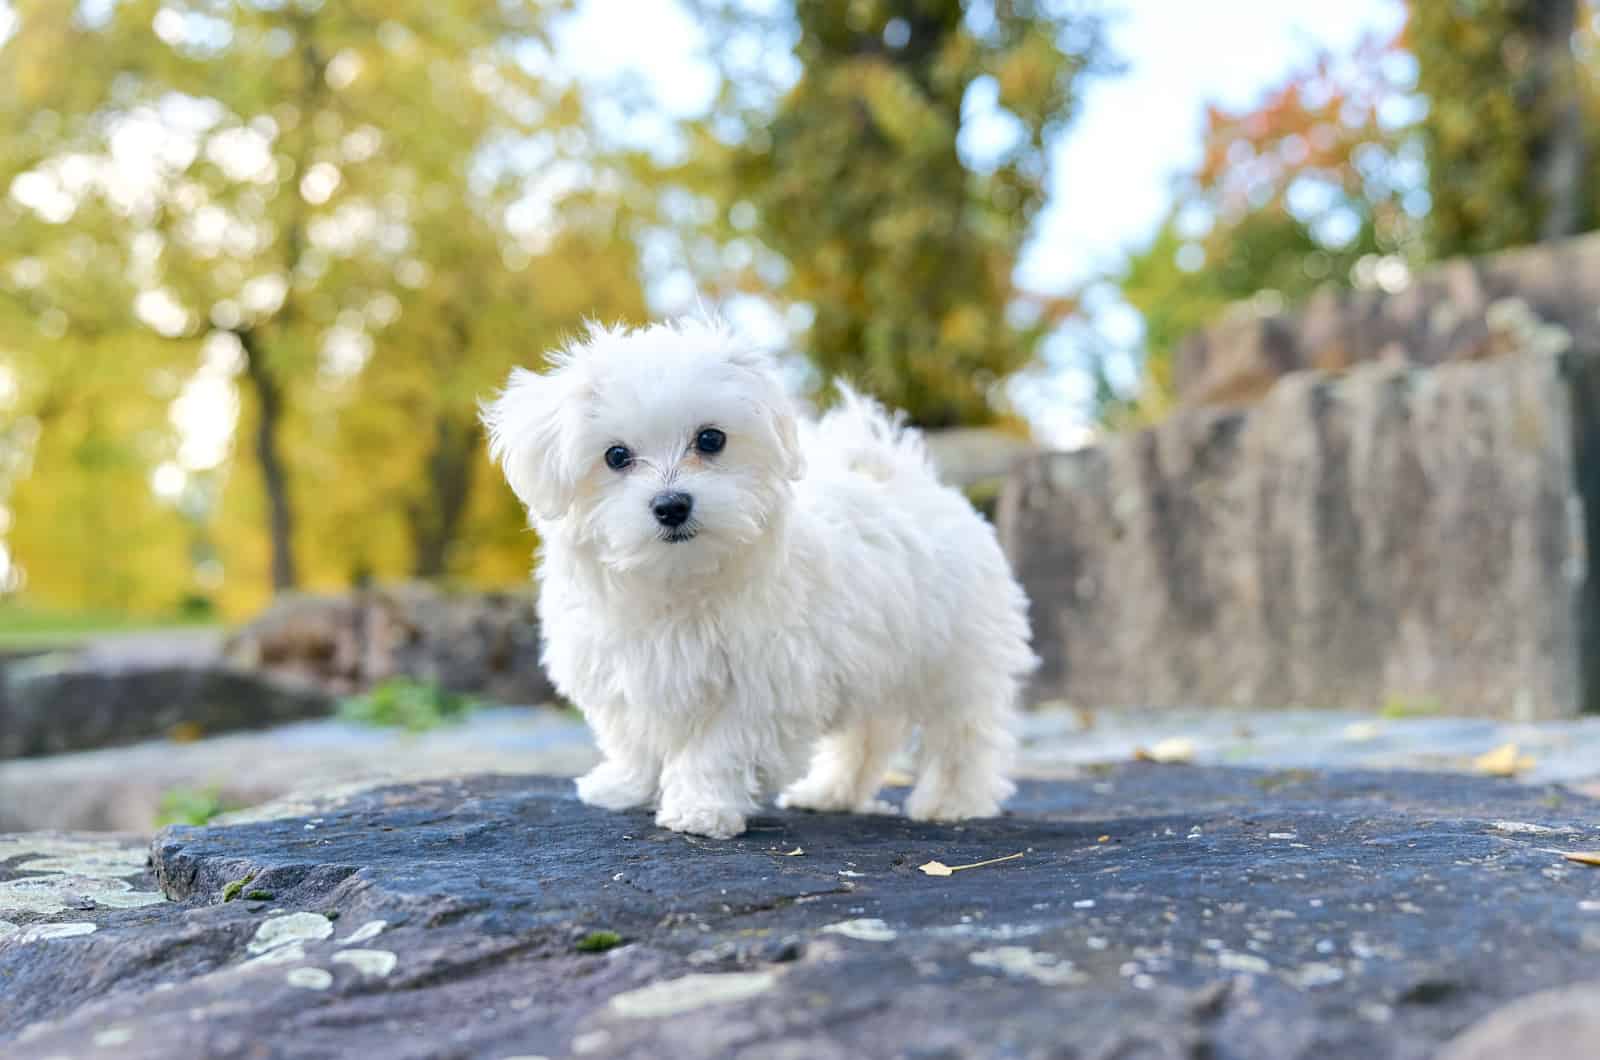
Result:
{"points": [[729, 594]]}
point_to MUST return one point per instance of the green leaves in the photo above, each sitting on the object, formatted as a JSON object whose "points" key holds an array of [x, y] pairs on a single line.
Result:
{"points": [[402, 703], [903, 243]]}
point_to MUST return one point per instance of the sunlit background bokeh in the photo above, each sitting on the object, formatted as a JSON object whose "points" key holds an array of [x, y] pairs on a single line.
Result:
{"points": [[261, 259]]}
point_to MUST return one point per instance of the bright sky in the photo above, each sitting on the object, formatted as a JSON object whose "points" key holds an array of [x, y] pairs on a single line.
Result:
{"points": [[1115, 165]]}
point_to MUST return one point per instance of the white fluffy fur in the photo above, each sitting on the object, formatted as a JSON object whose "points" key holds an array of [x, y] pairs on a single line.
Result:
{"points": [[835, 599]]}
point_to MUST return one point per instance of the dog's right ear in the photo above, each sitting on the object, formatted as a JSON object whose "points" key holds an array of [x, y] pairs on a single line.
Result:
{"points": [[530, 440]]}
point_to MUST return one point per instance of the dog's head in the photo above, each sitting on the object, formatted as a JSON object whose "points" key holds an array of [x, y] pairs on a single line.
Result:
{"points": [[671, 437]]}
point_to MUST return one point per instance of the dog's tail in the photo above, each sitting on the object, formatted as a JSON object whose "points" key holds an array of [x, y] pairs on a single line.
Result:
{"points": [[872, 440]]}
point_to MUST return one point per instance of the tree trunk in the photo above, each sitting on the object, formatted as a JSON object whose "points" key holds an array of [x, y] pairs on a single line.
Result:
{"points": [[436, 519], [1559, 154], [274, 475]]}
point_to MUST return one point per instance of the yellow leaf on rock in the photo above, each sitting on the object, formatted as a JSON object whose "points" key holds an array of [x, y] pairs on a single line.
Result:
{"points": [[1168, 752], [1584, 857], [1504, 761], [796, 852], [939, 868], [186, 732]]}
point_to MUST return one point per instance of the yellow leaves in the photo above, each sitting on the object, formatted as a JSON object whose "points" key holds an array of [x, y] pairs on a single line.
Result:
{"points": [[900, 110], [1506, 760], [964, 327], [939, 868], [1029, 74], [1584, 857]]}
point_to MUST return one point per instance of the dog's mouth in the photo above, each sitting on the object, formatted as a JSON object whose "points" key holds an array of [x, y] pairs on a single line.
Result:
{"points": [[677, 534]]}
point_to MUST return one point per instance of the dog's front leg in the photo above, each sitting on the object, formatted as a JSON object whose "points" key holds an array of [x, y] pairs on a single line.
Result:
{"points": [[707, 787], [629, 772]]}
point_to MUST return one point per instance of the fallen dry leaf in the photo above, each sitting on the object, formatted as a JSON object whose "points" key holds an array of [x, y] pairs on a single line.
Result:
{"points": [[1506, 760], [796, 852], [939, 868], [186, 732], [1168, 752], [1103, 839], [1584, 857]]}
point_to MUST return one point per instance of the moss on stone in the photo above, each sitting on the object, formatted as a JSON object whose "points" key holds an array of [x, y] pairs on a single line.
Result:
{"points": [[233, 888], [599, 941]]}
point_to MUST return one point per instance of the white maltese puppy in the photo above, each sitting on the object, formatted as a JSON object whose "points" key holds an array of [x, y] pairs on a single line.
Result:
{"points": [[731, 595]]}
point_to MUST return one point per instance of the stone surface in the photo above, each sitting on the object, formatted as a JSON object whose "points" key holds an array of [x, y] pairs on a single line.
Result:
{"points": [[125, 689], [121, 789], [1156, 911], [486, 644], [1399, 534], [1554, 1025], [1539, 299]]}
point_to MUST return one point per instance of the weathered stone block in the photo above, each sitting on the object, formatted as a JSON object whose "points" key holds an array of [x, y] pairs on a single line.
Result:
{"points": [[1538, 298], [1396, 534], [103, 696], [482, 643]]}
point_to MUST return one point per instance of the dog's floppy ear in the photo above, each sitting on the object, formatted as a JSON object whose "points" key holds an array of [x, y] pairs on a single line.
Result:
{"points": [[528, 438], [788, 431], [777, 408]]}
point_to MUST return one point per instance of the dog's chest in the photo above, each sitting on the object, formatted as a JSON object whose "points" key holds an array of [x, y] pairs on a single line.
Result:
{"points": [[692, 668], [680, 666]]}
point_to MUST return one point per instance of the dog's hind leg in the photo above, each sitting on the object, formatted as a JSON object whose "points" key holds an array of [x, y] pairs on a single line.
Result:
{"points": [[963, 763], [847, 770]]}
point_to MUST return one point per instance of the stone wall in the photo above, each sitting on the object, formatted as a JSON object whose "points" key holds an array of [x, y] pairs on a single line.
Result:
{"points": [[132, 688], [1538, 299], [486, 644], [1398, 534]]}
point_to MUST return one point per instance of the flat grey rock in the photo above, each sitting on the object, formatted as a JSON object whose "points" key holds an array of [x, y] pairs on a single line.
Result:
{"points": [[1553, 1025], [1156, 911], [128, 690]]}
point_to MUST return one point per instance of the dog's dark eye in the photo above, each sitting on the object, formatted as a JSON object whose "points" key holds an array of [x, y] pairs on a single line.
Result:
{"points": [[710, 440], [618, 457]]}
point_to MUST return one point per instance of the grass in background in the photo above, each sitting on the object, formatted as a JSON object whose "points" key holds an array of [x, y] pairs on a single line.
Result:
{"points": [[196, 806], [23, 627], [403, 703]]}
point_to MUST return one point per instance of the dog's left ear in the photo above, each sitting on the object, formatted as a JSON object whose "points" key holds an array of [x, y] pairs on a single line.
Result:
{"points": [[528, 438], [777, 409], [788, 432]]}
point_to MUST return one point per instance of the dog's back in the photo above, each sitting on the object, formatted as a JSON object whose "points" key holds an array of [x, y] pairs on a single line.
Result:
{"points": [[867, 439]]}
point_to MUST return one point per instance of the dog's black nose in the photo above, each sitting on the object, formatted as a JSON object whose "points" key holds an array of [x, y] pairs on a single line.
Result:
{"points": [[672, 508]]}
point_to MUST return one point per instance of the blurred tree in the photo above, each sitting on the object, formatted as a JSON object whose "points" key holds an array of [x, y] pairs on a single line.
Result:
{"points": [[897, 180], [370, 209], [1313, 185], [1508, 162]]}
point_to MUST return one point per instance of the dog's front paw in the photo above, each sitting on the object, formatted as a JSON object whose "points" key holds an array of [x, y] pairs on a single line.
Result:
{"points": [[948, 806], [718, 822], [614, 787], [823, 799]]}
